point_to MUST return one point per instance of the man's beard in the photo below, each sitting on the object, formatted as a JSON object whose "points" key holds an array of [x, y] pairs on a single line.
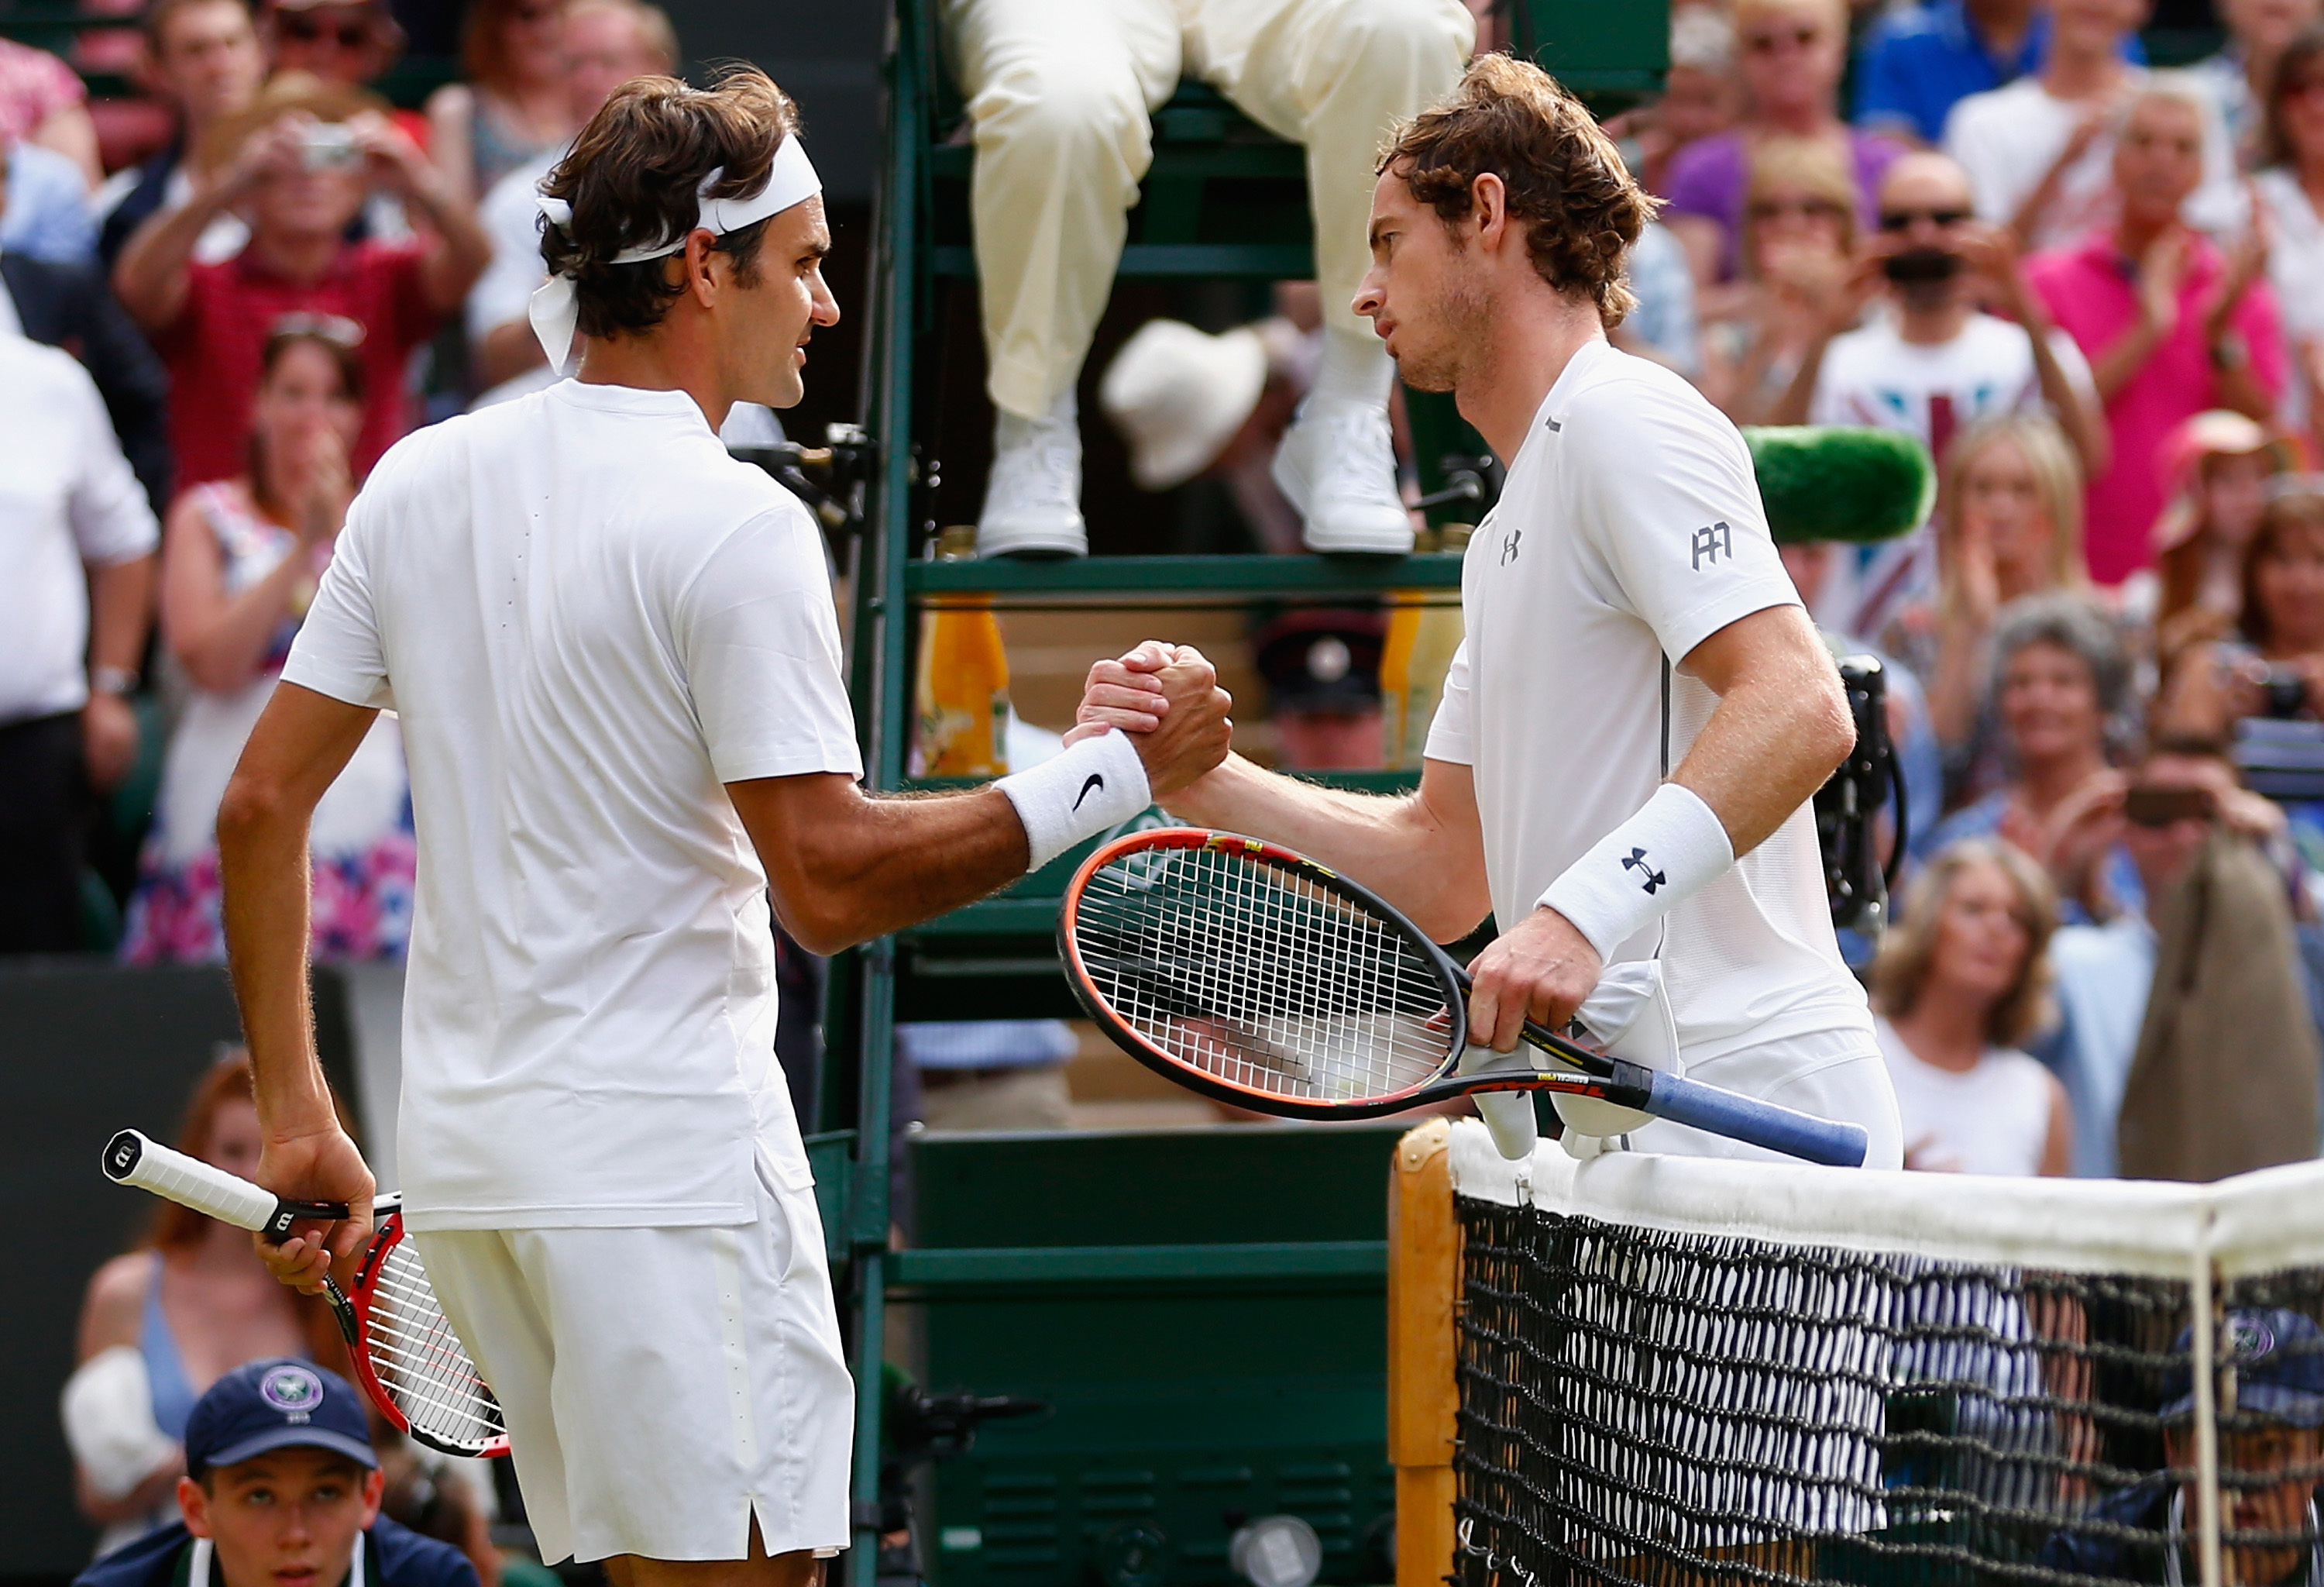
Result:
{"points": [[1463, 321]]}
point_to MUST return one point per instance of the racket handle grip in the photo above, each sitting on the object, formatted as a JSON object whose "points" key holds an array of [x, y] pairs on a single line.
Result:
{"points": [[1737, 1117], [133, 1158]]}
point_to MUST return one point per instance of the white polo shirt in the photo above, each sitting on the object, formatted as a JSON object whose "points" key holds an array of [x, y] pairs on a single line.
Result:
{"points": [[1630, 530], [589, 618], [68, 502]]}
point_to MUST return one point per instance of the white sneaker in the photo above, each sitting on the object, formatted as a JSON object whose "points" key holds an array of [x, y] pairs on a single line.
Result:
{"points": [[1033, 498], [1337, 467]]}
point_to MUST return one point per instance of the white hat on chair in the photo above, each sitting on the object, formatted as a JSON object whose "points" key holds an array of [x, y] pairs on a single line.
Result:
{"points": [[1178, 394]]}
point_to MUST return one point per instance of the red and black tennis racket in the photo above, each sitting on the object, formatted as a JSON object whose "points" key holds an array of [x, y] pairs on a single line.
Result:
{"points": [[406, 1356], [1257, 977]]}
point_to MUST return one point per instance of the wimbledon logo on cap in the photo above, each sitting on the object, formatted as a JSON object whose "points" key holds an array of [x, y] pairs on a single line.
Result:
{"points": [[292, 1390]]}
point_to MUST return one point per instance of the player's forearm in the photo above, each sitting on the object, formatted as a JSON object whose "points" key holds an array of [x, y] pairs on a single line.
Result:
{"points": [[895, 861], [263, 871], [1404, 847], [1775, 739]]}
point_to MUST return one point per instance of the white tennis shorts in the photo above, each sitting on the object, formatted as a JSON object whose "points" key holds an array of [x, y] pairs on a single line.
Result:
{"points": [[663, 1385]]}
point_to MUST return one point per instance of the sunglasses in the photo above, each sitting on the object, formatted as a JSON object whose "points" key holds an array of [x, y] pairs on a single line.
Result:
{"points": [[347, 34], [1798, 37], [1898, 220]]}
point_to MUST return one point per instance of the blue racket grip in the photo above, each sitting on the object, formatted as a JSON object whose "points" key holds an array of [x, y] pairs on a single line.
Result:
{"points": [[1721, 1112]]}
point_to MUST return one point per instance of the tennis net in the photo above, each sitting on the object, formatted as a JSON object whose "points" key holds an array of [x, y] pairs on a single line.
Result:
{"points": [[1670, 1370]]}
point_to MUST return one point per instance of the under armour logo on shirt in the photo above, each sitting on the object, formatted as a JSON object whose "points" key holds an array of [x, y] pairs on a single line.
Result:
{"points": [[1509, 546], [1637, 861], [1712, 544]]}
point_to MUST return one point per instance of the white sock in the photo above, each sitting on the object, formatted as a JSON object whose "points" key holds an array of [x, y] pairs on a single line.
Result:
{"points": [[1353, 369], [1011, 430]]}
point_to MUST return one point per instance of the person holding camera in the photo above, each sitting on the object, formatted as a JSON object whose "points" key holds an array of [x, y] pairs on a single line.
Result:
{"points": [[2190, 1051], [304, 158], [2271, 662]]}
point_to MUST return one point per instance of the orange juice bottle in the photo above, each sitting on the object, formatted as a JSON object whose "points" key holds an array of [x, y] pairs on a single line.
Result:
{"points": [[1423, 630], [961, 689]]}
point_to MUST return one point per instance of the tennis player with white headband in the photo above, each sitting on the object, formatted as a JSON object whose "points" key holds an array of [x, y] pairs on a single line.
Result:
{"points": [[614, 650]]}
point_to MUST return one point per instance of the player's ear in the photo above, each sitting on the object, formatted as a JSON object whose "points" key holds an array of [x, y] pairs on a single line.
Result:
{"points": [[700, 248], [1488, 206], [374, 1489]]}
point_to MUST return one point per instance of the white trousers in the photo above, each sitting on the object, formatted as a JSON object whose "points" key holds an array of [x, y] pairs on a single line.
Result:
{"points": [[1058, 96]]}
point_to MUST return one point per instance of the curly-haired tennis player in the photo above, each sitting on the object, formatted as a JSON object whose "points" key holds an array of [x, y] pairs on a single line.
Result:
{"points": [[615, 654], [1640, 698]]}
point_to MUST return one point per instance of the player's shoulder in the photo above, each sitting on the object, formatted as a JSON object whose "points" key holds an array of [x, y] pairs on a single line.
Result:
{"points": [[401, 1557], [1620, 401]]}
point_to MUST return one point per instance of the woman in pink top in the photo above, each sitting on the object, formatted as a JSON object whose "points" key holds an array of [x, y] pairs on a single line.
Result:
{"points": [[2170, 325]]}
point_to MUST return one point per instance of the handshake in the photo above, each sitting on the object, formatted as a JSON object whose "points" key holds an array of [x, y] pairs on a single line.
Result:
{"points": [[1168, 698]]}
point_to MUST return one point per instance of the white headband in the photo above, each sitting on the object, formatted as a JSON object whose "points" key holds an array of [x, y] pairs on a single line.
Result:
{"points": [[790, 180]]}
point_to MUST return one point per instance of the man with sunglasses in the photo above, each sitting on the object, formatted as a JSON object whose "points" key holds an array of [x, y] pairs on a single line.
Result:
{"points": [[1930, 361]]}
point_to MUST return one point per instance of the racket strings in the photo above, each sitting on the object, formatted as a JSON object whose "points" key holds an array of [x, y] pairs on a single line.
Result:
{"points": [[1262, 976], [419, 1360]]}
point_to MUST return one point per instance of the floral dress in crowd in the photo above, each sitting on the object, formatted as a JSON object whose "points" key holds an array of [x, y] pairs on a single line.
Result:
{"points": [[362, 839]]}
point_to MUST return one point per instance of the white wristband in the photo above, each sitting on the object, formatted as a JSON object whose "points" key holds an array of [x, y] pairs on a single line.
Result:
{"points": [[1638, 872], [1093, 785]]}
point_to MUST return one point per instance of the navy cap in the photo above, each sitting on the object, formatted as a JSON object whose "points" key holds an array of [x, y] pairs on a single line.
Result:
{"points": [[280, 1403], [2278, 1359]]}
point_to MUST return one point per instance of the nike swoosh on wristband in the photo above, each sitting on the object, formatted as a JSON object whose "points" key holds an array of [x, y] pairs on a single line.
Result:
{"points": [[1096, 781]]}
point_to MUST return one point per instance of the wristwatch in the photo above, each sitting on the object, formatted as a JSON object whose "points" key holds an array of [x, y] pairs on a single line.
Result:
{"points": [[112, 681]]}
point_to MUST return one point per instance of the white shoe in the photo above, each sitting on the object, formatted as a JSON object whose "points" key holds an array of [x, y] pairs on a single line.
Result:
{"points": [[1337, 467], [1033, 498]]}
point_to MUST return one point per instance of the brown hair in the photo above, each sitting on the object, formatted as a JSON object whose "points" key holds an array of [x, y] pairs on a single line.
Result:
{"points": [[483, 42], [2057, 480], [632, 177], [1909, 951], [1566, 182], [2302, 58], [156, 20], [1810, 163], [2286, 513]]}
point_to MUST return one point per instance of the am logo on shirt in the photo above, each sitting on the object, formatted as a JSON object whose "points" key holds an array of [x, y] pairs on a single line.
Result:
{"points": [[1712, 544]]}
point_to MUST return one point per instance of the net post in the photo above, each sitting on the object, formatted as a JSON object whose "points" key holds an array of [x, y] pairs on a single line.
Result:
{"points": [[1423, 1396], [2202, 1373]]}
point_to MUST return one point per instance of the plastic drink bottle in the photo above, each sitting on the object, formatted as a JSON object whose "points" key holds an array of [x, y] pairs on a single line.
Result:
{"points": [[960, 686]]}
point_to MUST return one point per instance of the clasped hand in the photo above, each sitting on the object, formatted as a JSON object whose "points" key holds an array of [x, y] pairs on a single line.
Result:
{"points": [[1168, 699]]}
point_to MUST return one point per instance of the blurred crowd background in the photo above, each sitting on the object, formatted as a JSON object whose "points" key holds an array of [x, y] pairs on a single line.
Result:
{"points": [[2077, 255]]}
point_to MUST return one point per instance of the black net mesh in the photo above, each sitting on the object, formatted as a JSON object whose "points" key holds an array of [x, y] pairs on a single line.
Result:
{"points": [[1638, 1406]]}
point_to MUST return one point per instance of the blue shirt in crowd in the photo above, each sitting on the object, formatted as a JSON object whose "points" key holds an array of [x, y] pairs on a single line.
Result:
{"points": [[1918, 60], [48, 215]]}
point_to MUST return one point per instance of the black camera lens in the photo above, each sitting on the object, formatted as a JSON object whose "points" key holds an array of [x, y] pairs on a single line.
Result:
{"points": [[1921, 264], [2285, 692]]}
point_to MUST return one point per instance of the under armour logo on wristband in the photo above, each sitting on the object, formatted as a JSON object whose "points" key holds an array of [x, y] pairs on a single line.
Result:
{"points": [[1635, 860], [1714, 542]]}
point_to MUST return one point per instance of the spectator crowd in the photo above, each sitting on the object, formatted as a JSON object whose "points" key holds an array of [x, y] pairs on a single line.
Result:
{"points": [[2090, 286]]}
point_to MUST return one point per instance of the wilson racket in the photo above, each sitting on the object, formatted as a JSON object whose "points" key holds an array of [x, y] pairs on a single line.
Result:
{"points": [[406, 1357], [1262, 979]]}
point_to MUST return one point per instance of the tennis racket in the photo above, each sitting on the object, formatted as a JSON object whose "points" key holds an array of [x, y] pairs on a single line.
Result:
{"points": [[1262, 979], [405, 1355]]}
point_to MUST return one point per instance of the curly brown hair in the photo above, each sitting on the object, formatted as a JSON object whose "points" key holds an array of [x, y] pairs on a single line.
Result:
{"points": [[1566, 182], [631, 177]]}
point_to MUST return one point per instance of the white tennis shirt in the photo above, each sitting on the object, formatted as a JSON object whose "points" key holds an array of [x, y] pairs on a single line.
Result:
{"points": [[1628, 531], [589, 618]]}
